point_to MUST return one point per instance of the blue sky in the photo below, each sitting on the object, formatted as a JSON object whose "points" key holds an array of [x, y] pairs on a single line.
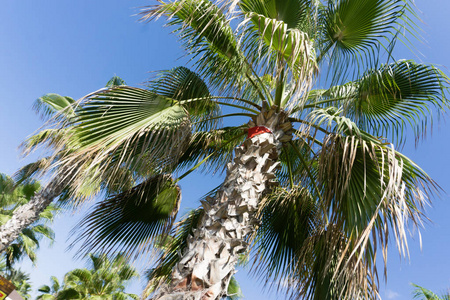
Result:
{"points": [[74, 47]]}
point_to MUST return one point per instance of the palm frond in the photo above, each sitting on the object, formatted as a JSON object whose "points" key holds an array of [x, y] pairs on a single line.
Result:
{"points": [[115, 81], [51, 104], [234, 290], [135, 130], [388, 100], [215, 147], [135, 218], [288, 219], [355, 31], [370, 190], [207, 36], [190, 90], [423, 293], [299, 252], [397, 95], [284, 43], [295, 13]]}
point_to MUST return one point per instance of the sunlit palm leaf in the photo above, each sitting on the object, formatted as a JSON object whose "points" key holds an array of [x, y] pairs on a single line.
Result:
{"points": [[295, 13], [422, 293], [206, 35], [127, 128], [370, 189], [53, 104], [187, 87], [388, 100], [115, 81], [396, 95], [290, 44], [234, 290], [356, 29], [48, 138]]}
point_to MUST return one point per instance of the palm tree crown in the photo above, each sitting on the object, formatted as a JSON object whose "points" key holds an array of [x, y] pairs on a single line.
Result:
{"points": [[105, 279], [315, 183]]}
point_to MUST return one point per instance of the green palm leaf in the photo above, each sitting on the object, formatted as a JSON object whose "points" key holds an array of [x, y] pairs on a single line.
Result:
{"points": [[355, 30], [187, 87], [53, 104], [115, 81], [214, 148], [295, 13], [425, 294], [370, 189], [288, 219], [280, 32], [397, 95], [387, 100], [207, 36], [135, 218], [132, 128]]}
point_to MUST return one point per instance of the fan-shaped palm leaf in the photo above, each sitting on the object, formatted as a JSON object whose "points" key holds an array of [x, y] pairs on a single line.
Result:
{"points": [[136, 217]]}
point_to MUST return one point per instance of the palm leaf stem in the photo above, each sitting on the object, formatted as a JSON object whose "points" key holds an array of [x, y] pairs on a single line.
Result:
{"points": [[228, 115], [279, 88], [269, 99], [223, 97], [325, 51], [309, 124], [289, 165], [309, 138], [319, 102], [238, 106], [313, 181]]}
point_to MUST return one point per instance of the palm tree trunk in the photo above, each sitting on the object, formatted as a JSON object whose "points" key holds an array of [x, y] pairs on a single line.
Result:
{"points": [[206, 266], [28, 213]]}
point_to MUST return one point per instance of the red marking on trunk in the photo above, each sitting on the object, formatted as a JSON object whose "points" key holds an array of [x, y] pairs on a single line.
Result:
{"points": [[254, 131]]}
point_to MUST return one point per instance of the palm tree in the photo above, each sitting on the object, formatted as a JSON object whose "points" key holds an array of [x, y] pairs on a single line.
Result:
{"points": [[19, 279], [50, 105], [50, 292], [12, 196], [425, 294], [317, 185], [54, 107], [104, 279]]}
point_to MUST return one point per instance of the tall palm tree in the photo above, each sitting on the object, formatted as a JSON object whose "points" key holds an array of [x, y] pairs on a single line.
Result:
{"points": [[104, 279], [315, 183], [58, 107], [50, 107], [12, 196]]}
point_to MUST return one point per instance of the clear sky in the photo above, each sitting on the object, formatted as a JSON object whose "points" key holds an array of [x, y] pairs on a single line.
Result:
{"points": [[74, 47]]}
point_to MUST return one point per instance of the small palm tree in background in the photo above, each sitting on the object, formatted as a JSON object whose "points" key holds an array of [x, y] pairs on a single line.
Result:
{"points": [[104, 279], [50, 292], [18, 278], [315, 184], [425, 294], [12, 196]]}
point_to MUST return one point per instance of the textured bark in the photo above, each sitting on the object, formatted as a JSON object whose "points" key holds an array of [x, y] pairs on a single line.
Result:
{"points": [[206, 266], [28, 213]]}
